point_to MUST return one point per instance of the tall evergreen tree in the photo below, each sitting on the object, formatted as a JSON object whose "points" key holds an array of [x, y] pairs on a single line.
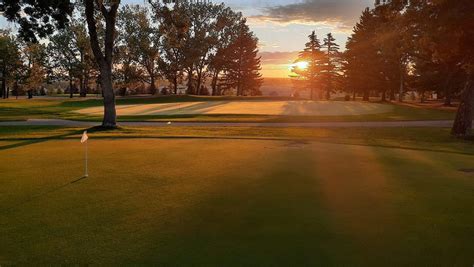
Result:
{"points": [[243, 70], [313, 59], [363, 60], [330, 75]]}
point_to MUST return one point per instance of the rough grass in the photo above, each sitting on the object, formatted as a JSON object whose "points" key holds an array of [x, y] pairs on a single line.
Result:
{"points": [[24, 109], [218, 202]]}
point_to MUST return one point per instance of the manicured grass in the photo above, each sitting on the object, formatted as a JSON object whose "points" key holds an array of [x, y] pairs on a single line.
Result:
{"points": [[434, 139], [24, 109], [218, 202]]}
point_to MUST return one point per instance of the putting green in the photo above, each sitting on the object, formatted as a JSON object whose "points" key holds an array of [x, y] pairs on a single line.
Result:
{"points": [[289, 108], [185, 202]]}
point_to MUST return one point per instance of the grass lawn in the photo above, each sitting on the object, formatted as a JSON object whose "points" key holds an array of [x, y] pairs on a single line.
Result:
{"points": [[316, 197], [64, 108]]}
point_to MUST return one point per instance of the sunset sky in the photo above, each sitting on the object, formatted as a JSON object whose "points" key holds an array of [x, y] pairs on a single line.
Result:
{"points": [[282, 26]]}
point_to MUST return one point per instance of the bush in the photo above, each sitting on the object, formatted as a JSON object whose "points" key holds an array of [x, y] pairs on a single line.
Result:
{"points": [[347, 98]]}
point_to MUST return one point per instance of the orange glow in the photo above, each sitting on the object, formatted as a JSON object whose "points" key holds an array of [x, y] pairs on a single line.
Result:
{"points": [[302, 65]]}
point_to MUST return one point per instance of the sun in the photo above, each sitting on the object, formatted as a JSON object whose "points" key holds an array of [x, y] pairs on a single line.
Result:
{"points": [[300, 65]]}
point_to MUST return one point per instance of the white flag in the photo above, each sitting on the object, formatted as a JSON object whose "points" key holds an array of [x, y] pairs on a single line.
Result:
{"points": [[84, 137]]}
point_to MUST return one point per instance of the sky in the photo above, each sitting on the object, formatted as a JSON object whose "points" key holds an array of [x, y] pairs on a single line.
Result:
{"points": [[282, 26]]}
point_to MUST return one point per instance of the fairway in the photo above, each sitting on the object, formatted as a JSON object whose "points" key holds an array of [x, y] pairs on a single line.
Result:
{"points": [[287, 108], [216, 202]]}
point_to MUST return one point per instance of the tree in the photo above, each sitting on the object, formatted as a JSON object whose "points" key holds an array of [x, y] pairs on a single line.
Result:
{"points": [[40, 19], [173, 25], [312, 59], [196, 39], [104, 55], [446, 42], [86, 66], [243, 70], [64, 55], [35, 75], [227, 23], [392, 37], [141, 40], [10, 61], [330, 74], [363, 62]]}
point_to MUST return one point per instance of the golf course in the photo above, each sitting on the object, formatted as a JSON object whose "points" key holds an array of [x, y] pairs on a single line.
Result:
{"points": [[221, 195], [286, 108], [176, 133]]}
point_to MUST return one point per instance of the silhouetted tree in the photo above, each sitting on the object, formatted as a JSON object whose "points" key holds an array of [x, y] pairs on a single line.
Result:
{"points": [[10, 61], [313, 58], [330, 75], [243, 69]]}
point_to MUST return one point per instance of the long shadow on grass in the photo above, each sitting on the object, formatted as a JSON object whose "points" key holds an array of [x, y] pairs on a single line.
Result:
{"points": [[263, 215], [27, 142], [42, 194]]}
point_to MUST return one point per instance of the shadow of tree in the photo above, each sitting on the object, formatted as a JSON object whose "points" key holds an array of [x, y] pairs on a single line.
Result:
{"points": [[191, 109], [29, 141]]}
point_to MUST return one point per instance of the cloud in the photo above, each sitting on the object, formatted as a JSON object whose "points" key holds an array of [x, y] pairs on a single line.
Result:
{"points": [[341, 14], [278, 58]]}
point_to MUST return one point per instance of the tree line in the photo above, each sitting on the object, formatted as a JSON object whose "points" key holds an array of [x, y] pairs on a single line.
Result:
{"points": [[98, 46], [396, 47]]}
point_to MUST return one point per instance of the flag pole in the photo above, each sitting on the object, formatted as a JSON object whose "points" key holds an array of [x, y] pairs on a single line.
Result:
{"points": [[86, 175], [84, 139]]}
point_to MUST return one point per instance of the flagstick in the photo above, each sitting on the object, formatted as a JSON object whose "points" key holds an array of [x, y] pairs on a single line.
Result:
{"points": [[86, 175]]}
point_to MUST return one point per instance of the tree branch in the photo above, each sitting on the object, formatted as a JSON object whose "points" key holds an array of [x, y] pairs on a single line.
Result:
{"points": [[91, 25]]}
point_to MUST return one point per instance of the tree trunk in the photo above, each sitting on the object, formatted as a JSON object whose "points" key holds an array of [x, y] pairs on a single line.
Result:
{"points": [[448, 87], [110, 116], [81, 87], [190, 82], [239, 92], [214, 83], [70, 87], [384, 96], [16, 89], [104, 59], [448, 97], [152, 84], [199, 82], [3, 91], [463, 123], [354, 95], [86, 84], [402, 83], [366, 96], [175, 84], [392, 94]]}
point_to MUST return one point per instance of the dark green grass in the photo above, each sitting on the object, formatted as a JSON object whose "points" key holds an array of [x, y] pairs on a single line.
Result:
{"points": [[24, 109], [433, 139], [188, 202]]}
